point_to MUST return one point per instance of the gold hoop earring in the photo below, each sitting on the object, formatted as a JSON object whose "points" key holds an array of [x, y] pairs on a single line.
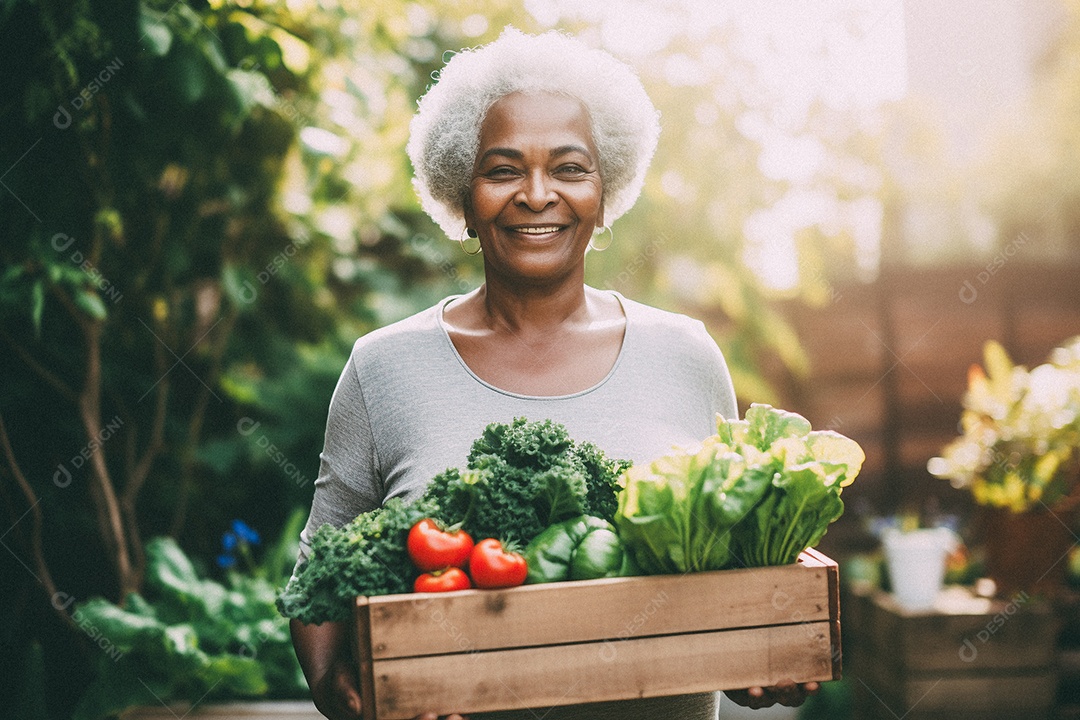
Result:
{"points": [[461, 241], [611, 238]]}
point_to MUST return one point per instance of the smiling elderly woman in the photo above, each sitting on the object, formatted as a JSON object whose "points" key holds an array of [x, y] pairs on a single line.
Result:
{"points": [[528, 146]]}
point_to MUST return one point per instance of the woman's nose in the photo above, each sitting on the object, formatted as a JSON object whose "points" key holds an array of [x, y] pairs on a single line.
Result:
{"points": [[537, 192]]}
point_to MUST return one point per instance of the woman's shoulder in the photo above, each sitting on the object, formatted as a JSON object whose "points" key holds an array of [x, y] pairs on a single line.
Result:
{"points": [[403, 338], [663, 325]]}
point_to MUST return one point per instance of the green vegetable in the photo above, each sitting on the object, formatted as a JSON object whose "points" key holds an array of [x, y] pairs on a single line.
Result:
{"points": [[676, 513], [757, 493], [193, 639], [810, 470], [520, 478], [581, 548], [523, 477], [368, 556]]}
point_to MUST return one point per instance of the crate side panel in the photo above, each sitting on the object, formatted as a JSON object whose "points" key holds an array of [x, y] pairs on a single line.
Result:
{"points": [[986, 693], [1006, 637], [593, 672], [617, 608]]}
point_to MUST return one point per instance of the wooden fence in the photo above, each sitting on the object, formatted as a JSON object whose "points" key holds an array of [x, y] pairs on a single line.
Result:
{"points": [[889, 363]]}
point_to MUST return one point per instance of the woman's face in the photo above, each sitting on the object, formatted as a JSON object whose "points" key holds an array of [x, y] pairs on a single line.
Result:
{"points": [[536, 195]]}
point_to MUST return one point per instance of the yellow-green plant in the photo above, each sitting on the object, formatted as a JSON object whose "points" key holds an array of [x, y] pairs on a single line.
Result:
{"points": [[1021, 431]]}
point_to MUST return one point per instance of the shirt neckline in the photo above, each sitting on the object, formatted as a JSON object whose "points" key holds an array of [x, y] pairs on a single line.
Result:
{"points": [[627, 332]]}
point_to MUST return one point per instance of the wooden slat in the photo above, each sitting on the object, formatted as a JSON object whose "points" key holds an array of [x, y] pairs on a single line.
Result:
{"points": [[989, 694], [471, 620], [362, 617], [871, 704], [810, 558], [592, 672], [252, 710]]}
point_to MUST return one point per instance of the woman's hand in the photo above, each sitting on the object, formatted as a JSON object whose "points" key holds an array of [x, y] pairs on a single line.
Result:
{"points": [[323, 652], [785, 693], [336, 693]]}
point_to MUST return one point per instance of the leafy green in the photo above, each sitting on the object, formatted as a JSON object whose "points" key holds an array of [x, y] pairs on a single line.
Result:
{"points": [[758, 492], [581, 548], [677, 513], [193, 639], [520, 478], [524, 476], [367, 556]]}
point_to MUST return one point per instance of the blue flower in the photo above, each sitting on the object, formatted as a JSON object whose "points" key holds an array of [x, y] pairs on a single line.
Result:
{"points": [[229, 541], [245, 532], [226, 561]]}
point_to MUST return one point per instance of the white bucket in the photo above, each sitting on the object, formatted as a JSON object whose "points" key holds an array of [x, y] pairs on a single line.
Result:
{"points": [[916, 561]]}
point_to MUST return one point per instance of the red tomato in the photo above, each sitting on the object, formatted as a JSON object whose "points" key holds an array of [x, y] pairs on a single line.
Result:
{"points": [[445, 581], [493, 567], [434, 549]]}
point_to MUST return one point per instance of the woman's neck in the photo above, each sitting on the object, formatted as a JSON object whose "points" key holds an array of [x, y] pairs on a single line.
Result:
{"points": [[534, 309]]}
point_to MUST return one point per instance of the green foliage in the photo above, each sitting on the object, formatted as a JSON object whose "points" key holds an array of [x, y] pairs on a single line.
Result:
{"points": [[194, 639], [757, 493], [1021, 431], [524, 476], [367, 556], [521, 477], [168, 207], [677, 513]]}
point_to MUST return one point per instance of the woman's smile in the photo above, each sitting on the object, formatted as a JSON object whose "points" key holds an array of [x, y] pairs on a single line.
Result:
{"points": [[537, 230]]}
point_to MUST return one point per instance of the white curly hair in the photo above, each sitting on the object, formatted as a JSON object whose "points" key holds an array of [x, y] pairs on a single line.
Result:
{"points": [[445, 132]]}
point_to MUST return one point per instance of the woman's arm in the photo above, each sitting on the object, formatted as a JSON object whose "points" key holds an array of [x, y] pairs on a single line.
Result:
{"points": [[323, 651]]}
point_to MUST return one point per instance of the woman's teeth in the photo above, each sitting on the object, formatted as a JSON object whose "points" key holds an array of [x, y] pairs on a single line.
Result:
{"points": [[538, 230]]}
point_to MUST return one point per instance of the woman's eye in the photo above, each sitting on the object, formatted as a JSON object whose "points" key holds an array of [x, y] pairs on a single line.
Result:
{"points": [[501, 171], [571, 170]]}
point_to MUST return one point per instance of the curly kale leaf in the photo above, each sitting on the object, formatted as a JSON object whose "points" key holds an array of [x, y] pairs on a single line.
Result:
{"points": [[367, 556], [523, 477], [522, 444], [602, 476]]}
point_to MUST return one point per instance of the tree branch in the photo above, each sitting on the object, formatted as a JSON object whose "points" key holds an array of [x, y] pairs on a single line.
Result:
{"points": [[110, 521], [43, 372], [43, 575], [140, 470]]}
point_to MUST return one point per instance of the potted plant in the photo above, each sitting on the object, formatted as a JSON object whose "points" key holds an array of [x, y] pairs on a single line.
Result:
{"points": [[1019, 456], [195, 646]]}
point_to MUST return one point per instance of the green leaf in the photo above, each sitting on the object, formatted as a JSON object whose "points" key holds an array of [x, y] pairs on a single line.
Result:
{"points": [[118, 687], [154, 35], [38, 306], [136, 605], [239, 285], [251, 89], [236, 674], [167, 565], [842, 456], [186, 74], [90, 303], [767, 424], [12, 274], [123, 629], [561, 494]]}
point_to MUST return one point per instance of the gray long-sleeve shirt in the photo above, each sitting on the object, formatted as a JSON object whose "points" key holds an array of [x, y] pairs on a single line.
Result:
{"points": [[407, 407]]}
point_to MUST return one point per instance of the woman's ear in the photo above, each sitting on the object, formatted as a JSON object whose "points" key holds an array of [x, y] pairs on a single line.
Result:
{"points": [[467, 212], [600, 215]]}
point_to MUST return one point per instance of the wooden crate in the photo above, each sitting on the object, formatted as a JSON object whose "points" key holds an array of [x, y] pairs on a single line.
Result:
{"points": [[595, 640], [995, 662]]}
